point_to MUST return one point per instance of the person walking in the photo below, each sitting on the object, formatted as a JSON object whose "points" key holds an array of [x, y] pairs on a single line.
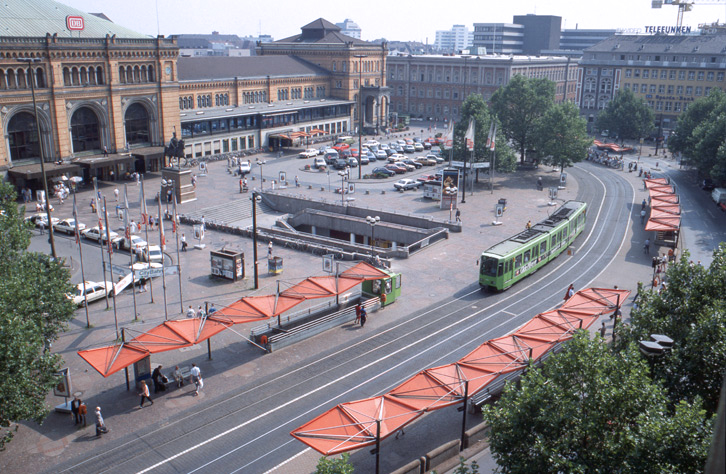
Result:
{"points": [[363, 317], [82, 411], [100, 424], [529, 225], [357, 313], [41, 226], [184, 243], [93, 205], [200, 312], [158, 379], [603, 330], [570, 292], [75, 409], [191, 313], [646, 246], [642, 216], [458, 215], [643, 204], [115, 193], [539, 183], [145, 395], [196, 378], [269, 250], [383, 298], [297, 182]]}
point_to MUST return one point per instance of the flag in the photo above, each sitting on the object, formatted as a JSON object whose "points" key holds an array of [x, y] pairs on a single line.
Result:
{"points": [[469, 136], [162, 238], [142, 204], [75, 217], [448, 136], [127, 229], [173, 218], [96, 195], [489, 136], [494, 137], [102, 229]]}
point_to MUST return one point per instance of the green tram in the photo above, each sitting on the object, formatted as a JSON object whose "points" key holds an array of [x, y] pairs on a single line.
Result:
{"points": [[509, 261]]}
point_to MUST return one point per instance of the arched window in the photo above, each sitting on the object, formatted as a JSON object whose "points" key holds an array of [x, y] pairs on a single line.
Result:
{"points": [[23, 138], [85, 130], [99, 75], [11, 79], [75, 79], [122, 75], [3, 80], [199, 101], [137, 75], [137, 124], [144, 77], [84, 76], [152, 78]]}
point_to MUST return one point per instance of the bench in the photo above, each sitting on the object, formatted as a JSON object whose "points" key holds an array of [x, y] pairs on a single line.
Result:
{"points": [[186, 372]]}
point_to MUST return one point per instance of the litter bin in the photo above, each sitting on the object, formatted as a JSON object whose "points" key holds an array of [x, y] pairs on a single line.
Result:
{"points": [[274, 265]]}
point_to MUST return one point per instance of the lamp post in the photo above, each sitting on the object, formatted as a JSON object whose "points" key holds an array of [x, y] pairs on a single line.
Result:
{"points": [[343, 176], [51, 237], [360, 110], [372, 221], [260, 163], [256, 198], [166, 186]]}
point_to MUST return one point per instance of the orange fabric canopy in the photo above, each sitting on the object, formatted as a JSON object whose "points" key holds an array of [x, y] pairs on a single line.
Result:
{"points": [[669, 208], [649, 183], [256, 308], [317, 131], [364, 271], [109, 360], [321, 287], [661, 198], [663, 223], [596, 301]]}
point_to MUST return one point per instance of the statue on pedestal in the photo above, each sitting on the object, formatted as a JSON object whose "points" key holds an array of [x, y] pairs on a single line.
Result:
{"points": [[175, 151]]}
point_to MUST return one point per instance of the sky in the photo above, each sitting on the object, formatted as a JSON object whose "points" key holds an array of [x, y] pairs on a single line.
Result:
{"points": [[401, 20]]}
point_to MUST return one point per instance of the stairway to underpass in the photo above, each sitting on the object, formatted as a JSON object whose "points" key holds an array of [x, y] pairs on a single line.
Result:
{"points": [[237, 213]]}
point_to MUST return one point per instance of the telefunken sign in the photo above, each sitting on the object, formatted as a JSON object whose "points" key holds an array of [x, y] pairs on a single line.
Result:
{"points": [[668, 30]]}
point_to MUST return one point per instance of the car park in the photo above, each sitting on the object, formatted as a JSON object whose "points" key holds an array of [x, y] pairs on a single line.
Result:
{"points": [[331, 156], [352, 162], [309, 153], [406, 183], [340, 163], [436, 158], [364, 160], [93, 291], [134, 243], [99, 234], [385, 172], [68, 226], [427, 145], [371, 143], [323, 149], [396, 168], [413, 163], [395, 157], [36, 219], [389, 151], [371, 156], [403, 163]]}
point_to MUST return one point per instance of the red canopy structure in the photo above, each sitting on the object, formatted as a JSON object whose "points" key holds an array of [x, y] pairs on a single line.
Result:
{"points": [[349, 426], [109, 360], [364, 271], [179, 333], [256, 308], [656, 182], [321, 287]]}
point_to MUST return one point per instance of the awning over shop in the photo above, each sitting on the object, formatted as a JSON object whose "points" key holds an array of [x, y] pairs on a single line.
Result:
{"points": [[299, 135], [33, 171], [104, 161], [280, 135], [317, 131]]}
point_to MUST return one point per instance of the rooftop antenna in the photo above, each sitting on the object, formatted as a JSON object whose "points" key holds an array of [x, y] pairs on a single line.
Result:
{"points": [[158, 31]]}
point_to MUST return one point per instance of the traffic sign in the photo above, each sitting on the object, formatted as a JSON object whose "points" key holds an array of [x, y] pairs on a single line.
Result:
{"points": [[117, 269], [173, 270]]}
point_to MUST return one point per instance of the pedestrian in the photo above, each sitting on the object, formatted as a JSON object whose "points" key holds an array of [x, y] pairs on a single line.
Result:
{"points": [[642, 216], [143, 288], [603, 329], [212, 309], [178, 378], [671, 255], [151, 222], [82, 411], [105, 151], [194, 181], [100, 424], [115, 193], [297, 182], [269, 250], [539, 183], [200, 312], [144, 394], [184, 243], [75, 408], [570, 292], [195, 375], [241, 186], [93, 205], [458, 215], [98, 196], [158, 379], [41, 226], [169, 196], [529, 225], [363, 317], [203, 223], [191, 313], [357, 313], [643, 204], [646, 246]]}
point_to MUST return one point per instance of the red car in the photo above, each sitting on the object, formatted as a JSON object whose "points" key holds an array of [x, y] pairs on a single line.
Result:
{"points": [[426, 177], [398, 169]]}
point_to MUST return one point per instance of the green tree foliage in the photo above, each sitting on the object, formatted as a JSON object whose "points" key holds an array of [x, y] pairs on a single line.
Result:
{"points": [[589, 409], [692, 311], [339, 465], [561, 136], [519, 105], [701, 135], [33, 311], [627, 116]]}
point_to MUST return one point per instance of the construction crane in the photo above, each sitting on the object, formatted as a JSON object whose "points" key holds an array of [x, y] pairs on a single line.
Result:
{"points": [[684, 6]]}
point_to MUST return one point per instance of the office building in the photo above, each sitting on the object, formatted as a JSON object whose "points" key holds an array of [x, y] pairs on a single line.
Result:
{"points": [[540, 32], [499, 38], [349, 28], [454, 40]]}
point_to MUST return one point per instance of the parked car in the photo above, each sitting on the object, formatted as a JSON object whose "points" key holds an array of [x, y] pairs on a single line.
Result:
{"points": [[323, 149], [436, 158], [319, 162], [309, 153], [427, 145], [396, 168], [36, 219], [151, 253], [364, 160], [404, 184], [93, 291], [708, 185], [381, 155], [371, 156], [384, 172], [409, 149], [413, 163], [418, 146], [68, 226], [134, 243], [99, 234], [426, 177], [390, 151], [424, 160], [245, 167], [340, 163], [352, 162], [395, 157]]}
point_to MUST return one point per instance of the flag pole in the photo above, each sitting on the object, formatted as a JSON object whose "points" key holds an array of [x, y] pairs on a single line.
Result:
{"points": [[97, 198], [80, 251], [127, 235], [175, 226], [110, 261], [162, 245], [146, 230]]}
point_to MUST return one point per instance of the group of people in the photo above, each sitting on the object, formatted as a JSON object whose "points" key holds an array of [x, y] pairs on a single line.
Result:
{"points": [[604, 158], [160, 381], [199, 313]]}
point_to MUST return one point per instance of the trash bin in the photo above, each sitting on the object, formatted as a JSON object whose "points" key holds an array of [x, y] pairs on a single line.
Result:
{"points": [[274, 265]]}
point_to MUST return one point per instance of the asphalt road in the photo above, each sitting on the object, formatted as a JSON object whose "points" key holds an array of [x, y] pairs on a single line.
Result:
{"points": [[247, 429]]}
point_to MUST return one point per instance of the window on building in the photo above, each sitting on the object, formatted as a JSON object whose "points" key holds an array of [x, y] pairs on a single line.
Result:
{"points": [[679, 90], [706, 91], [698, 91], [701, 75], [438, 93], [672, 75], [661, 88], [691, 75], [636, 73], [719, 76], [664, 74], [659, 106], [413, 91], [709, 76], [677, 107], [668, 106], [681, 75], [644, 88], [628, 73], [447, 93], [646, 73], [670, 89], [689, 90]]}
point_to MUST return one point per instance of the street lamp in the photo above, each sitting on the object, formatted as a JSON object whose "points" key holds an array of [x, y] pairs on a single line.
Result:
{"points": [[360, 110], [166, 186], [256, 198], [343, 176], [372, 221], [51, 237], [260, 163]]}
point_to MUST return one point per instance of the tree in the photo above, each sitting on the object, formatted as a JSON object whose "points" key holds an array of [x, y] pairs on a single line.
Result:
{"points": [[589, 409], [692, 311], [339, 465], [561, 136], [475, 107], [34, 309], [519, 105], [627, 116]]}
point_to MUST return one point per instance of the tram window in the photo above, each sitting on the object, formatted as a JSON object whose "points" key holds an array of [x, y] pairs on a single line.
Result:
{"points": [[527, 256], [554, 240], [517, 261], [543, 247], [508, 266], [500, 269], [489, 266], [534, 251]]}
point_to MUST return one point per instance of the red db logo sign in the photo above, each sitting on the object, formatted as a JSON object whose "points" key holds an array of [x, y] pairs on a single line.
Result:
{"points": [[75, 23]]}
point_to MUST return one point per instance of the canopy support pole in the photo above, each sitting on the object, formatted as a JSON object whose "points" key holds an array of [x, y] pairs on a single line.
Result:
{"points": [[126, 369], [463, 421], [378, 445], [209, 348]]}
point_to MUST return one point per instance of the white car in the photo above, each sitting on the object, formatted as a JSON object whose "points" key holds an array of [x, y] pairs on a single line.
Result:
{"points": [[135, 243], [140, 267], [99, 234], [404, 184], [93, 291], [418, 146], [245, 167], [151, 253], [381, 155], [36, 219], [309, 153], [409, 149], [68, 226]]}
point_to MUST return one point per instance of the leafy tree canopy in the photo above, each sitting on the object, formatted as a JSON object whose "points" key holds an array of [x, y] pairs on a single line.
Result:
{"points": [[626, 115], [561, 136], [691, 310], [519, 105], [33, 311], [589, 409], [339, 465]]}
